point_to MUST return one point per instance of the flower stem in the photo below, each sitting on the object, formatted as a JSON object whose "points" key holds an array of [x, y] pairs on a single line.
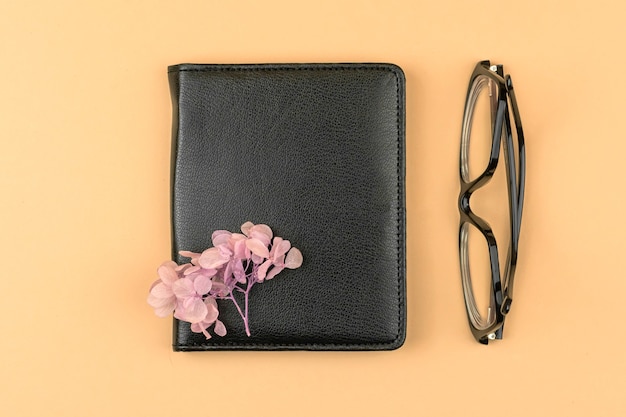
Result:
{"points": [[251, 280], [245, 320], [232, 298]]}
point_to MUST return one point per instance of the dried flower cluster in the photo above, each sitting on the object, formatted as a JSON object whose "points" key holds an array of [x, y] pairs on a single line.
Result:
{"points": [[233, 265]]}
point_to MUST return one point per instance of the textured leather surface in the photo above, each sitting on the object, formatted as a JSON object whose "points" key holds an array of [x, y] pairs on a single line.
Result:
{"points": [[317, 153]]}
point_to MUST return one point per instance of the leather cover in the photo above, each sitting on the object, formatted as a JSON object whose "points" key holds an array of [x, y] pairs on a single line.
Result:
{"points": [[316, 152]]}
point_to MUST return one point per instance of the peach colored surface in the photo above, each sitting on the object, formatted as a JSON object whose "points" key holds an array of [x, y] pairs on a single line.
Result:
{"points": [[84, 174]]}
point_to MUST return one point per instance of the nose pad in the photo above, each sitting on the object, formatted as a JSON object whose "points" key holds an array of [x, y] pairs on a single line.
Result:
{"points": [[464, 202]]}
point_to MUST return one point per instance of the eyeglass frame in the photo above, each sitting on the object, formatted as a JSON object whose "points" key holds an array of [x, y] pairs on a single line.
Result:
{"points": [[501, 285]]}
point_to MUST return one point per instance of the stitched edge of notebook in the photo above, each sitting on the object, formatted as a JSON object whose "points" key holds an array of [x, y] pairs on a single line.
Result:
{"points": [[401, 284]]}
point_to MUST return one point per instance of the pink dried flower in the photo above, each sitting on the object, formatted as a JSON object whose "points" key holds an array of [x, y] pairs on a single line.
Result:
{"points": [[161, 296], [189, 292], [209, 319], [233, 265], [277, 259]]}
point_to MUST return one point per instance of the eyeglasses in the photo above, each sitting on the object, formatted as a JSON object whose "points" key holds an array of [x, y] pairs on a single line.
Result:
{"points": [[487, 272]]}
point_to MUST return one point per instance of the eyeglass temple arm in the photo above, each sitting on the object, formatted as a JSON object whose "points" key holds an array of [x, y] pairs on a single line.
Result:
{"points": [[519, 199]]}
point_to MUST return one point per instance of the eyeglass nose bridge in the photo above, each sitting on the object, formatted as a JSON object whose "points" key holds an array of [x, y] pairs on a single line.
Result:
{"points": [[464, 202], [468, 188]]}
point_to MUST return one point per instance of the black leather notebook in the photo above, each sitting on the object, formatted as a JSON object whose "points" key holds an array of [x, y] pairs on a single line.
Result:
{"points": [[316, 152]]}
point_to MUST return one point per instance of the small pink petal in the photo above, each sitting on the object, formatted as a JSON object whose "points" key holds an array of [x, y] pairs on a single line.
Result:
{"points": [[258, 248], [167, 273], [210, 302], [188, 254], [262, 228], [185, 303], [260, 237], [165, 310], [202, 284], [245, 228], [156, 302], [279, 261], [228, 270], [219, 328], [239, 273], [220, 237], [274, 271], [212, 258], [280, 248], [293, 259], [241, 251], [225, 250], [212, 313], [162, 291], [262, 271], [275, 243], [183, 288], [195, 311], [191, 270]]}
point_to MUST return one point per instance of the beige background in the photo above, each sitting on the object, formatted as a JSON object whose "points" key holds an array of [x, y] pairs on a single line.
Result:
{"points": [[85, 128]]}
